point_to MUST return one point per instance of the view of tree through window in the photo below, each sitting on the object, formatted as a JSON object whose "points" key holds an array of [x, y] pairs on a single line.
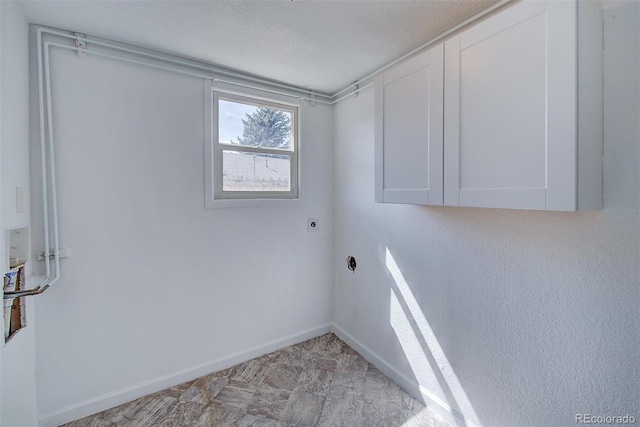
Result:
{"points": [[267, 128]]}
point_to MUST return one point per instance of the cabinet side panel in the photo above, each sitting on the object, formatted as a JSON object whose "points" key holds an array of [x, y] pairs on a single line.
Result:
{"points": [[452, 122], [436, 125], [590, 105], [378, 141], [562, 101]]}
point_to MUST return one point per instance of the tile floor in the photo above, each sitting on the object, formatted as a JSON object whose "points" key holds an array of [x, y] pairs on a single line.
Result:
{"points": [[320, 382]]}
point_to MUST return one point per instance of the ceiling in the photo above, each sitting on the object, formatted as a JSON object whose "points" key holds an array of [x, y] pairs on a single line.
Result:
{"points": [[315, 44]]}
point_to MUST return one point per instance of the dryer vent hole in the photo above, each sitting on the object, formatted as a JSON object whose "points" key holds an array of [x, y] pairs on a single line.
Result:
{"points": [[351, 263]]}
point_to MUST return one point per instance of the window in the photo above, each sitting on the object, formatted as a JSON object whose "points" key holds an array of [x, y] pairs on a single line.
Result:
{"points": [[254, 149]]}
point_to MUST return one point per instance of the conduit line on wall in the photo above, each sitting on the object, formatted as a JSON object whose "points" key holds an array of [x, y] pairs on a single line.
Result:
{"points": [[52, 168], [43, 162], [129, 60], [172, 59], [420, 48]]}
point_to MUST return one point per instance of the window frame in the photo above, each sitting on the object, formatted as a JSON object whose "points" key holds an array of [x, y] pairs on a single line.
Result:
{"points": [[214, 195]]}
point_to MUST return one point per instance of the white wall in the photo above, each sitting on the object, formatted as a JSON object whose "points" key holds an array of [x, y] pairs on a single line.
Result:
{"points": [[159, 289], [510, 317], [18, 356], [524, 317]]}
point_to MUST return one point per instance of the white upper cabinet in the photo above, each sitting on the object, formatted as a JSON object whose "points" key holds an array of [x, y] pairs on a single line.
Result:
{"points": [[409, 139], [522, 114], [523, 109]]}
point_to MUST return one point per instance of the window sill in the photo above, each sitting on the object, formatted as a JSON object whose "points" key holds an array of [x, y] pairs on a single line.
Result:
{"points": [[251, 203]]}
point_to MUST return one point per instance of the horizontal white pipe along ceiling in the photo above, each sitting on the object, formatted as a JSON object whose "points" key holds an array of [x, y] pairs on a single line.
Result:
{"points": [[122, 49]]}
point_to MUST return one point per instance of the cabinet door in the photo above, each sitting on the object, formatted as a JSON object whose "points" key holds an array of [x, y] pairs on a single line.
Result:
{"points": [[510, 110], [409, 125]]}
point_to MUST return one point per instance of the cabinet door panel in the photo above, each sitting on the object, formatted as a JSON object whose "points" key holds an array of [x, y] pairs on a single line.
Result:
{"points": [[502, 142], [409, 123], [501, 78], [406, 112]]}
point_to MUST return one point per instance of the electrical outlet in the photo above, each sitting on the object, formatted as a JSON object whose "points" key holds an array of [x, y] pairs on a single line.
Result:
{"points": [[312, 224]]}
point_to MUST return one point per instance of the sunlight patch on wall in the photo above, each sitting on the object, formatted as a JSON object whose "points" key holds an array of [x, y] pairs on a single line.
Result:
{"points": [[426, 357], [410, 344]]}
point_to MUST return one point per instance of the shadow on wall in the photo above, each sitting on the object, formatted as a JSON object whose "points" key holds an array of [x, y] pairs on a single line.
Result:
{"points": [[426, 357]]}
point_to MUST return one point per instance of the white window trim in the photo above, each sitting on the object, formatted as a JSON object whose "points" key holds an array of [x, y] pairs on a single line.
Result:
{"points": [[212, 154]]}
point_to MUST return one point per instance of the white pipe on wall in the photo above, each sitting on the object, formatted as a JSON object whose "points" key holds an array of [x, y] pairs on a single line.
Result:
{"points": [[424, 46], [183, 72], [52, 168], [43, 162], [130, 60], [179, 61], [354, 92]]}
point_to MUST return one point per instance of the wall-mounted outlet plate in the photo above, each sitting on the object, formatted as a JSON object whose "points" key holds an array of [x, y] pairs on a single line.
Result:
{"points": [[312, 224], [19, 200]]}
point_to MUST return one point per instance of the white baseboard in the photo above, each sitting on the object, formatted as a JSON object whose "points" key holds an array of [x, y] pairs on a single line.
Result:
{"points": [[118, 397], [110, 400], [441, 408]]}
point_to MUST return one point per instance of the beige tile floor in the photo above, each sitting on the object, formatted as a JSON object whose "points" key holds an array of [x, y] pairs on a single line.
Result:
{"points": [[320, 382]]}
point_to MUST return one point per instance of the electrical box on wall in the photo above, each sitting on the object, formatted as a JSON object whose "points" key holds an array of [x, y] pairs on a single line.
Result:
{"points": [[18, 246]]}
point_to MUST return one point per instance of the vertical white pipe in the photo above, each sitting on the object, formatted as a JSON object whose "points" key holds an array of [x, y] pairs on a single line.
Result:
{"points": [[43, 162], [52, 165]]}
